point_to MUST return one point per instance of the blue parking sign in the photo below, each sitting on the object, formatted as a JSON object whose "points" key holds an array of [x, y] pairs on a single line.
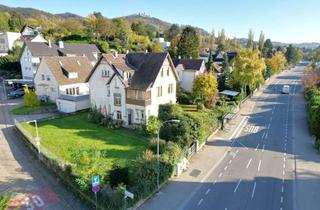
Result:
{"points": [[95, 180]]}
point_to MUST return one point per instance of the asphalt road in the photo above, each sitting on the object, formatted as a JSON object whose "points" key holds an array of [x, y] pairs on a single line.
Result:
{"points": [[259, 171], [34, 187]]}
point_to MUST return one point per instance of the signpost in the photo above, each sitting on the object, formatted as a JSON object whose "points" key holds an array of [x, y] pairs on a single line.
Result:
{"points": [[95, 180], [127, 194]]}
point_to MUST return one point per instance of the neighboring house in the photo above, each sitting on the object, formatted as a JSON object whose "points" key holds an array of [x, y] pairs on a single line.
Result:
{"points": [[164, 44], [7, 41], [62, 80], [187, 70], [219, 57], [130, 87], [28, 33], [32, 52]]}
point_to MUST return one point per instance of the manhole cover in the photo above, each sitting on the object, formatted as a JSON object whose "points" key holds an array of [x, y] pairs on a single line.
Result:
{"points": [[195, 173]]}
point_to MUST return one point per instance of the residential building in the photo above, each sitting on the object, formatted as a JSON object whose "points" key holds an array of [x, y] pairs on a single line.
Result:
{"points": [[32, 53], [7, 41], [130, 87], [28, 33], [188, 70], [62, 80]]}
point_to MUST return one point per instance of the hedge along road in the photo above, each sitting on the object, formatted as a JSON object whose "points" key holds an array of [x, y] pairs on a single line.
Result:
{"points": [[21, 173]]}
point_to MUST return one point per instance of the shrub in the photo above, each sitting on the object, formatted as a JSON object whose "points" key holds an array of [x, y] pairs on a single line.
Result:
{"points": [[152, 126], [172, 153], [30, 98], [118, 175], [153, 145], [4, 201], [170, 111], [95, 116]]}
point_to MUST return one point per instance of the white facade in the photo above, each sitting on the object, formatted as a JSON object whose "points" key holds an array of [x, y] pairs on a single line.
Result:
{"points": [[164, 44], [29, 64], [187, 76], [69, 98], [112, 99], [7, 41]]}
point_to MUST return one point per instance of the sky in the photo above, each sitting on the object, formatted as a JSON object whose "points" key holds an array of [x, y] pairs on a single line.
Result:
{"points": [[290, 21]]}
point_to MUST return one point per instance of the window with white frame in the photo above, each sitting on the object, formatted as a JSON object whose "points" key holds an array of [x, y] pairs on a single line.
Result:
{"points": [[117, 100], [168, 71], [159, 89], [116, 83], [170, 88], [43, 77], [142, 114], [105, 73], [48, 78]]}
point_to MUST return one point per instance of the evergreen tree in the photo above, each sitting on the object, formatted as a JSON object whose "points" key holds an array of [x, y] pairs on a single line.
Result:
{"points": [[267, 49], [250, 42], [226, 73], [221, 41], [261, 41], [188, 45]]}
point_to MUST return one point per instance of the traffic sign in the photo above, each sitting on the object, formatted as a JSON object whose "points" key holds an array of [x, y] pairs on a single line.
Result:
{"points": [[128, 194], [95, 180], [95, 188]]}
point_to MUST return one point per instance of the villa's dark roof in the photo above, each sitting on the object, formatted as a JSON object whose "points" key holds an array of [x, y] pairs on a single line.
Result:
{"points": [[190, 64]]}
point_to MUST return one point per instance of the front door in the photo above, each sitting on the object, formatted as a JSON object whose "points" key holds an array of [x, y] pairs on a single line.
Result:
{"points": [[129, 118]]}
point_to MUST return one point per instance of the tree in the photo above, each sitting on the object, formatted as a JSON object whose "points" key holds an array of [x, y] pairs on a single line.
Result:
{"points": [[205, 89], [152, 126], [105, 28], [156, 46], [250, 42], [276, 63], [123, 31], [221, 41], [248, 69], [4, 22], [261, 41], [138, 28], [30, 98], [267, 49], [172, 32], [225, 79], [188, 46], [293, 55], [73, 26], [212, 41], [15, 21]]}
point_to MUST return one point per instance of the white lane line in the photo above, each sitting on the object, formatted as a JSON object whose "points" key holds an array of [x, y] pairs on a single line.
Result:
{"points": [[282, 189], [225, 168], [270, 118], [284, 159], [263, 148], [263, 135], [284, 165], [220, 174], [283, 179], [281, 200], [253, 190], [266, 136], [283, 172], [199, 203], [215, 181], [249, 163], [257, 147], [259, 165], [237, 151], [207, 192], [230, 161], [269, 126], [284, 154], [235, 189]]}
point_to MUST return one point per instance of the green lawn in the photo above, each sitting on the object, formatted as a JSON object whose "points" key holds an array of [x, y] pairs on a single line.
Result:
{"points": [[61, 136], [27, 110]]}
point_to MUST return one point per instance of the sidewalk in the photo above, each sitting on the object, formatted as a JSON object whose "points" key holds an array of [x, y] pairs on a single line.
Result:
{"points": [[177, 192]]}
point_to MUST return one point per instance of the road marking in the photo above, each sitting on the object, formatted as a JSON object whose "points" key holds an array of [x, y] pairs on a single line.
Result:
{"points": [[220, 174], [249, 163], [270, 118], [263, 148], [215, 181], [259, 165], [285, 149], [269, 126], [283, 172], [235, 189], [225, 168], [253, 190], [237, 151], [208, 191], [284, 159], [230, 161], [199, 203], [283, 179], [282, 189], [284, 154], [281, 200], [257, 147], [284, 165], [263, 135], [266, 136]]}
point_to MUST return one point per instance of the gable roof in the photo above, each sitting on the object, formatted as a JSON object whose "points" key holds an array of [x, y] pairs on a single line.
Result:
{"points": [[146, 67], [189, 64], [78, 64], [40, 49]]}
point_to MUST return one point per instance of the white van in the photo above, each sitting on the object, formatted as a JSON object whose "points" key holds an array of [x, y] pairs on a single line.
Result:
{"points": [[286, 89]]}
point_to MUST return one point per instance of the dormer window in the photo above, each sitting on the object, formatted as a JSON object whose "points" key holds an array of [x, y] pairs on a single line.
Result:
{"points": [[73, 75], [168, 71], [105, 73]]}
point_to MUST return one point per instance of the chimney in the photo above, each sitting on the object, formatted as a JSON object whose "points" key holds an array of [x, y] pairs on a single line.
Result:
{"points": [[127, 52], [61, 44], [49, 43], [115, 54], [179, 57]]}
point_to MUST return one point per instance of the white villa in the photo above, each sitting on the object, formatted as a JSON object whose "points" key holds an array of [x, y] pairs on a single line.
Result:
{"points": [[7, 41], [32, 53], [130, 87], [187, 70], [62, 80]]}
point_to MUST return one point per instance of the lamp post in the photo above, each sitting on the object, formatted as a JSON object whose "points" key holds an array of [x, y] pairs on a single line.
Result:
{"points": [[37, 135], [158, 150]]}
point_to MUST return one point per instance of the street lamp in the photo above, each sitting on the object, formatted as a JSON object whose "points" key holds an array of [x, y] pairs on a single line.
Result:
{"points": [[37, 135], [158, 155]]}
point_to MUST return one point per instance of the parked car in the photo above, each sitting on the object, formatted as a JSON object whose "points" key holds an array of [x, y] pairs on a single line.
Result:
{"points": [[285, 89], [16, 93]]}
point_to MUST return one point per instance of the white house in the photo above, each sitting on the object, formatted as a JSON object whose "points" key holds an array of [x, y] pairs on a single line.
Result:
{"points": [[187, 70], [62, 80], [130, 87], [32, 53], [164, 44], [28, 33], [7, 42]]}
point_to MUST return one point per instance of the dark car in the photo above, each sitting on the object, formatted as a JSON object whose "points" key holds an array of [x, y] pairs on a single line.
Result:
{"points": [[16, 93]]}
